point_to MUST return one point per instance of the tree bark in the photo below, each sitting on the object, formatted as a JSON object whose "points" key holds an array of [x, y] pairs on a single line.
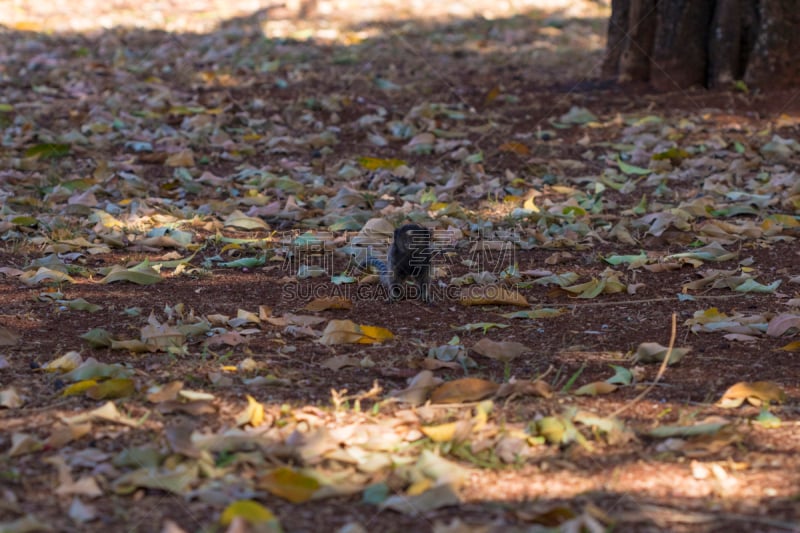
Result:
{"points": [[674, 44], [777, 40]]}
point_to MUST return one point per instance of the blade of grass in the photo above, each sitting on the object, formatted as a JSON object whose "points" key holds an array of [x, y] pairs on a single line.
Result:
{"points": [[572, 379]]}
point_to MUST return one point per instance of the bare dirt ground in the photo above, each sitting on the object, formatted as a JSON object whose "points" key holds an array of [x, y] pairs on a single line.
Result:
{"points": [[210, 140]]}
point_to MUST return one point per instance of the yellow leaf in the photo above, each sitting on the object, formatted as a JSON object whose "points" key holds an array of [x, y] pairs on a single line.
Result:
{"points": [[530, 204], [375, 163], [79, 387], [552, 428], [755, 393], [253, 414], [252, 512], [231, 246], [492, 95], [417, 488], [463, 390], [514, 147], [112, 388], [348, 332], [787, 221], [374, 334], [289, 484], [27, 25], [69, 361], [791, 347], [441, 432]]}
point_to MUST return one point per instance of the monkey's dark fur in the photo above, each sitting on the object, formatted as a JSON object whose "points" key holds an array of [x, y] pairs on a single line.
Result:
{"points": [[409, 258]]}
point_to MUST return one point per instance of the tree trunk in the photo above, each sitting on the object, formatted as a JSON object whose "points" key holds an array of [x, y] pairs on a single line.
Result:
{"points": [[674, 44]]}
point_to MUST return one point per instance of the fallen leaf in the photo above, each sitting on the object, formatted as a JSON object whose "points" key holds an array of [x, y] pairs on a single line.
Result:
{"points": [[595, 388], [253, 414], [289, 484], [652, 352], [464, 390], [525, 387], [253, 512], [449, 432], [417, 391], [785, 322], [755, 393], [504, 351], [10, 399], [333, 302], [112, 388], [436, 498]]}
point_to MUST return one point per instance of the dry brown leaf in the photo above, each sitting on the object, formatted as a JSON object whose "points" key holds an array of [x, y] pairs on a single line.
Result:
{"points": [[63, 434], [431, 363], [184, 158], [504, 351], [10, 399], [653, 352], [165, 392], [783, 323], [340, 361], [192, 407], [332, 302], [595, 388], [179, 439], [755, 393], [417, 391], [464, 390], [23, 443], [525, 387], [341, 332]]}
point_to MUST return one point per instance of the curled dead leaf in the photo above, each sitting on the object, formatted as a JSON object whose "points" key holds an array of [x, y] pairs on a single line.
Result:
{"points": [[653, 352], [755, 393]]}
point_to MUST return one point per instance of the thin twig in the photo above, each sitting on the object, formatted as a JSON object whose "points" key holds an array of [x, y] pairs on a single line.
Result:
{"points": [[661, 371]]}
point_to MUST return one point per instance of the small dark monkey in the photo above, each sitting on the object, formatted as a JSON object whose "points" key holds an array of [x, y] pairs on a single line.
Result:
{"points": [[409, 258]]}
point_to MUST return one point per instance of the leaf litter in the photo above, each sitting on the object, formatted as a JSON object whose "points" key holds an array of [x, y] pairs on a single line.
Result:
{"points": [[163, 234]]}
